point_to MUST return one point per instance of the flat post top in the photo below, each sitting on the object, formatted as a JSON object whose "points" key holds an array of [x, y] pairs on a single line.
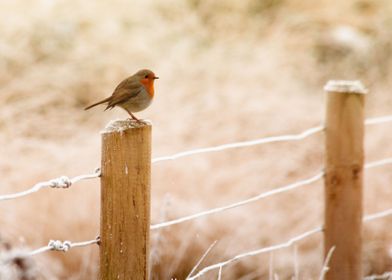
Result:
{"points": [[344, 86], [123, 125]]}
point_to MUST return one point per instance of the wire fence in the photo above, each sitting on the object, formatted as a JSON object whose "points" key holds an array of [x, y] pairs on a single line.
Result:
{"points": [[65, 246], [62, 182], [209, 212], [279, 246], [265, 140], [279, 190], [66, 182], [53, 245]]}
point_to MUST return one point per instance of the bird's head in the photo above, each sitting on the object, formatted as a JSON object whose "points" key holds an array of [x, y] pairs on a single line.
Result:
{"points": [[147, 78], [146, 75]]}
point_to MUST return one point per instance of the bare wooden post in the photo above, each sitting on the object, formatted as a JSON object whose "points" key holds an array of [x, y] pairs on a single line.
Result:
{"points": [[343, 179], [125, 200]]}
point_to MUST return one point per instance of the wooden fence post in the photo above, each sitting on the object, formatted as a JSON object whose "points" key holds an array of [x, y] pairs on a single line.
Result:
{"points": [[125, 200], [344, 159]]}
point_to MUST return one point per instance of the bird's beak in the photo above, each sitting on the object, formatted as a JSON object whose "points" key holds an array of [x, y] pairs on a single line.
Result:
{"points": [[156, 78]]}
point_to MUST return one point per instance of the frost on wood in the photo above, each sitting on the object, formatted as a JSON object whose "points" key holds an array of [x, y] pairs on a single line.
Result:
{"points": [[122, 125], [345, 86]]}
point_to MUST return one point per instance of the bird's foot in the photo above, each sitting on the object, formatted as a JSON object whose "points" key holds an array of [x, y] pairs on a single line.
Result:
{"points": [[139, 121]]}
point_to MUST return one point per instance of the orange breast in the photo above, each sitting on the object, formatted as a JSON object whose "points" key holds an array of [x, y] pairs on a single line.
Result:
{"points": [[149, 85]]}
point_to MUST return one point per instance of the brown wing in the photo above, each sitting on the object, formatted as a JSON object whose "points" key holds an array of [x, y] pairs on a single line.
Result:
{"points": [[127, 89]]}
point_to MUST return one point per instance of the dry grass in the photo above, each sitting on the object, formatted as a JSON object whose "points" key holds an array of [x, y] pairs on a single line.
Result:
{"points": [[230, 70]]}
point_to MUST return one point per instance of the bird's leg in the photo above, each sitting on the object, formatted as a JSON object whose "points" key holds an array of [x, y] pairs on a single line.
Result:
{"points": [[133, 116]]}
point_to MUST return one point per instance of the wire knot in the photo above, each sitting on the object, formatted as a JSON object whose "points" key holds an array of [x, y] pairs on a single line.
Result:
{"points": [[61, 182], [58, 245]]}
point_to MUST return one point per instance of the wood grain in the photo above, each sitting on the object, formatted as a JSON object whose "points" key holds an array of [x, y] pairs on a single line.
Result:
{"points": [[344, 159], [125, 200]]}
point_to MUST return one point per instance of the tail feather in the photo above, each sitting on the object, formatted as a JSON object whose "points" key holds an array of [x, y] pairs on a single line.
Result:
{"points": [[98, 103]]}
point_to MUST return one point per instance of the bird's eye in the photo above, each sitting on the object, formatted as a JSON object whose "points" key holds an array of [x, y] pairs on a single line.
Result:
{"points": [[146, 77]]}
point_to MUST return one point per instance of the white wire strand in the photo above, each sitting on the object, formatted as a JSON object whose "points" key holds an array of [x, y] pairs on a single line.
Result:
{"points": [[385, 276], [289, 187], [61, 182], [377, 120], [289, 137], [378, 215], [53, 245], [378, 163], [257, 252], [265, 140], [286, 244], [260, 196], [64, 246]]}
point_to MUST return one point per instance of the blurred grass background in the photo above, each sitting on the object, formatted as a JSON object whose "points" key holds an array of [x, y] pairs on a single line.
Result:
{"points": [[230, 71]]}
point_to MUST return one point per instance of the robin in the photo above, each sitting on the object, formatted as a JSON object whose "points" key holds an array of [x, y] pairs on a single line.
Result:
{"points": [[133, 94]]}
